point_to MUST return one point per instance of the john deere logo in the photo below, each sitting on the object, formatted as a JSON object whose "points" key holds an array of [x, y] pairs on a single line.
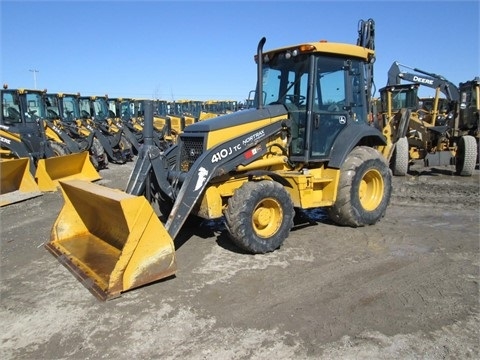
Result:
{"points": [[422, 80]]}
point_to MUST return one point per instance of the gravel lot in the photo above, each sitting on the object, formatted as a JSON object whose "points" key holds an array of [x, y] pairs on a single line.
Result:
{"points": [[407, 287]]}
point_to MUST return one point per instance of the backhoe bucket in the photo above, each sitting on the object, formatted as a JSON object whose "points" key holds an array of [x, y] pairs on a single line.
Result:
{"points": [[17, 183], [110, 240], [73, 166]]}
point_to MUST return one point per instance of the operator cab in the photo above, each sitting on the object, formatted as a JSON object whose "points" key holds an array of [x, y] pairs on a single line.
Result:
{"points": [[324, 94]]}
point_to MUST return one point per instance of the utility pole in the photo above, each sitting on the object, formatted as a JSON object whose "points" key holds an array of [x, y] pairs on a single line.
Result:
{"points": [[34, 77]]}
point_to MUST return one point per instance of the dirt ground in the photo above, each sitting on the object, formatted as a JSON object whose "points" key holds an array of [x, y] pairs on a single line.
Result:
{"points": [[407, 287]]}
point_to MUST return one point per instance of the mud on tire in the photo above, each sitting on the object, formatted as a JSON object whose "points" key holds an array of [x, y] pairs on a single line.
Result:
{"points": [[364, 189], [259, 216]]}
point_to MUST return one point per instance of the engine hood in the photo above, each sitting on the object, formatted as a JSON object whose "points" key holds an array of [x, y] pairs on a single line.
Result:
{"points": [[236, 118]]}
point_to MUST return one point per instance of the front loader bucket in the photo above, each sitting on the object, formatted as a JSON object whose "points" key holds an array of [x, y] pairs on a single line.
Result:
{"points": [[17, 183], [110, 240], [73, 166]]}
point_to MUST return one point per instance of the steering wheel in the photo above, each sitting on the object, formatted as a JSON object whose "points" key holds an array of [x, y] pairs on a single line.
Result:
{"points": [[333, 107], [295, 99]]}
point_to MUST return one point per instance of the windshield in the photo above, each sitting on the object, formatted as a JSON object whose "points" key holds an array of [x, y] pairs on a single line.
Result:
{"points": [[162, 108], [53, 109], [84, 105], [101, 109], [285, 80], [126, 110], [11, 107], [401, 98], [35, 107], [70, 108]]}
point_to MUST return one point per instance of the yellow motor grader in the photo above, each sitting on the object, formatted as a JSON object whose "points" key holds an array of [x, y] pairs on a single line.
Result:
{"points": [[434, 133], [307, 144]]}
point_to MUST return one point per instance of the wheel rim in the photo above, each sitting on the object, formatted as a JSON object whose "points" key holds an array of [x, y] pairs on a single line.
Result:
{"points": [[267, 218], [371, 190]]}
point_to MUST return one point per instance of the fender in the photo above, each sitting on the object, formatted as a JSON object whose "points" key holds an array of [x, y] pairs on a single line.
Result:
{"points": [[69, 142], [17, 148], [349, 137]]}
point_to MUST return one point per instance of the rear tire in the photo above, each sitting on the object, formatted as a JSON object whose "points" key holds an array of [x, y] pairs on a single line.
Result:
{"points": [[364, 189], [399, 162], [466, 156], [259, 216]]}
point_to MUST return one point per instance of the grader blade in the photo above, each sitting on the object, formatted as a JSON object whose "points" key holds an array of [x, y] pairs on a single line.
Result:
{"points": [[17, 183], [110, 240], [73, 166]]}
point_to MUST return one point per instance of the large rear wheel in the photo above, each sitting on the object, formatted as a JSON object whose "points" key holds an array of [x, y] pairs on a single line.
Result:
{"points": [[400, 158], [466, 156], [364, 189], [259, 216]]}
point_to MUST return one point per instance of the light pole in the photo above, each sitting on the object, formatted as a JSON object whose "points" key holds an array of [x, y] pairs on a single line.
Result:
{"points": [[34, 77]]}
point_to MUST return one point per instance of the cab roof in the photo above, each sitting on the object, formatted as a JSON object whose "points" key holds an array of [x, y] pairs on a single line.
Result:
{"points": [[328, 48]]}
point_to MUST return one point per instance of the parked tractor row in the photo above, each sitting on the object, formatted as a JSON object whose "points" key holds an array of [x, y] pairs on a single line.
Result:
{"points": [[66, 135]]}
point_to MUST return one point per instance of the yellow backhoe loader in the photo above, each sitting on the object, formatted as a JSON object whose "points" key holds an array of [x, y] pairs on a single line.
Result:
{"points": [[22, 135], [308, 145]]}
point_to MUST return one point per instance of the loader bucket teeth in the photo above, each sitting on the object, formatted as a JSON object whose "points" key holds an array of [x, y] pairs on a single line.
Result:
{"points": [[110, 240], [73, 166], [17, 183]]}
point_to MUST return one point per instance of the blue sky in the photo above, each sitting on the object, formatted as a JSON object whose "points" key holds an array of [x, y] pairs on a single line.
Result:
{"points": [[204, 50]]}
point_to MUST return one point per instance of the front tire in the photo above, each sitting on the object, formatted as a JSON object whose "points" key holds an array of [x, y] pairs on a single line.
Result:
{"points": [[259, 216], [59, 149], [98, 157], [126, 148], [364, 189]]}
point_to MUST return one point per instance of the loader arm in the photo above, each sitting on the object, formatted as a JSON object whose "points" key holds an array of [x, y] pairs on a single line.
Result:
{"points": [[62, 135], [209, 165]]}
